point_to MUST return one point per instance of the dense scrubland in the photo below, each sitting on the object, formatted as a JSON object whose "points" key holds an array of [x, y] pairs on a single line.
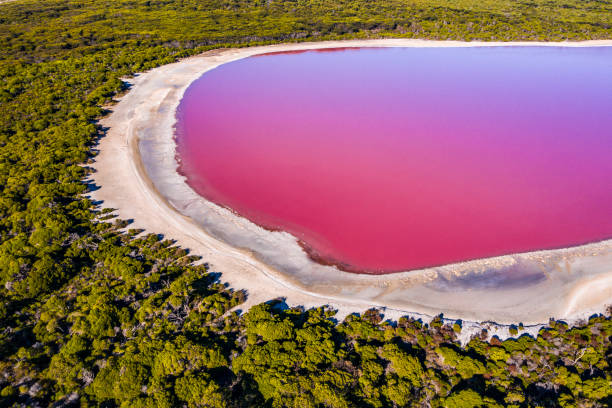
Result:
{"points": [[94, 314]]}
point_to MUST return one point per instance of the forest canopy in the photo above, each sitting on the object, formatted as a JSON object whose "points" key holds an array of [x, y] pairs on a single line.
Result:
{"points": [[96, 314]]}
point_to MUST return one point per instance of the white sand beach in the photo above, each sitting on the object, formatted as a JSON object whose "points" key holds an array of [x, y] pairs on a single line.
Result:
{"points": [[136, 175]]}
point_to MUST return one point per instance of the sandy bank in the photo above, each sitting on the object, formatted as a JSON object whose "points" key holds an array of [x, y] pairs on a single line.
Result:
{"points": [[136, 172]]}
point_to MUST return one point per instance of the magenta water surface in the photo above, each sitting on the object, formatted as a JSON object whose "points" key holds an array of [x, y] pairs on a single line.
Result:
{"points": [[387, 159]]}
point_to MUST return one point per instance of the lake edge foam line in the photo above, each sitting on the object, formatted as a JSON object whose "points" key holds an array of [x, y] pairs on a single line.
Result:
{"points": [[136, 171]]}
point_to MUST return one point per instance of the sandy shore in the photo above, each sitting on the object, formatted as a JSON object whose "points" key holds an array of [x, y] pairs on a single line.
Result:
{"points": [[136, 173]]}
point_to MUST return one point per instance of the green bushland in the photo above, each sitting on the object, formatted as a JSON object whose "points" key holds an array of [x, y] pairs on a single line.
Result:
{"points": [[94, 315]]}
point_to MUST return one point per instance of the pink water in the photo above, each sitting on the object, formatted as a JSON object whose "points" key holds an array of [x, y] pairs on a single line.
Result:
{"points": [[392, 159]]}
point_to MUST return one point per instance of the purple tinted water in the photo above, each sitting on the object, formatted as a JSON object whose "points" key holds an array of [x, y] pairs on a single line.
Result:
{"points": [[399, 158]]}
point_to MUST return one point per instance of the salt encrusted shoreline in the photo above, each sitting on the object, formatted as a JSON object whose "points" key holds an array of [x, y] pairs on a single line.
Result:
{"points": [[136, 172]]}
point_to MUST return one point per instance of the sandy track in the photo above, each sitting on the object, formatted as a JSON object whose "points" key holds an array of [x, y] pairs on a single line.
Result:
{"points": [[136, 172]]}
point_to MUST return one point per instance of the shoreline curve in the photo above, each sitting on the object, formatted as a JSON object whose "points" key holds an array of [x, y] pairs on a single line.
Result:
{"points": [[136, 171]]}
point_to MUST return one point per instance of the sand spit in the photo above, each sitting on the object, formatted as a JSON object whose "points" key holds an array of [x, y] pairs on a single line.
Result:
{"points": [[136, 173]]}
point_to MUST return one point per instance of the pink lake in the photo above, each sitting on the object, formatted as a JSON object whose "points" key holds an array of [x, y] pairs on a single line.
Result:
{"points": [[391, 159]]}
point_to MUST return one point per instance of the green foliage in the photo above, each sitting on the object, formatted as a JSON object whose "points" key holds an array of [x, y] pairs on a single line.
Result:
{"points": [[597, 389], [405, 366], [199, 391], [498, 354], [119, 380], [465, 365], [95, 315], [465, 399]]}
